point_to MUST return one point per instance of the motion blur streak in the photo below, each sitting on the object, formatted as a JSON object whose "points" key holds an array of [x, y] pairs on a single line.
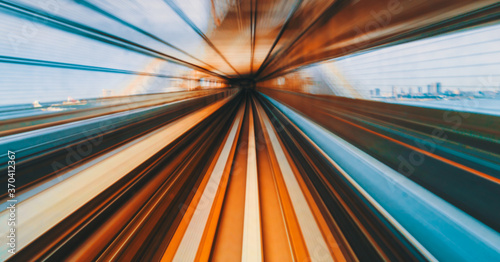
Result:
{"points": [[250, 130]]}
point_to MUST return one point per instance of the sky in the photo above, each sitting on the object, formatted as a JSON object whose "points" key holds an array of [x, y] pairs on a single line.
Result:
{"points": [[466, 60], [24, 37]]}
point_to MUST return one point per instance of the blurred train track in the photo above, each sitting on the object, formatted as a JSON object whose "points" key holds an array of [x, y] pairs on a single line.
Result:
{"points": [[456, 155], [69, 138], [241, 175]]}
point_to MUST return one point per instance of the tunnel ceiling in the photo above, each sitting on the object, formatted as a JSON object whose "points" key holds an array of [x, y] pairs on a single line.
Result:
{"points": [[258, 39], [263, 38]]}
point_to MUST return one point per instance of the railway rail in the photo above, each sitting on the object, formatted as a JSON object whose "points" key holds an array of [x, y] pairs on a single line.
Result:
{"points": [[252, 176]]}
